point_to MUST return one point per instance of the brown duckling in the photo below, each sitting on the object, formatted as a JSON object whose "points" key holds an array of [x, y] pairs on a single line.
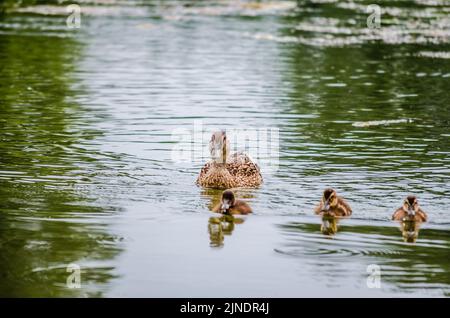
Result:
{"points": [[227, 170], [410, 211], [332, 205], [229, 205]]}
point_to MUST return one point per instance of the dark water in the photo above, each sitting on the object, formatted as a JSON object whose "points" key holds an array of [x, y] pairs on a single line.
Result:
{"points": [[86, 143]]}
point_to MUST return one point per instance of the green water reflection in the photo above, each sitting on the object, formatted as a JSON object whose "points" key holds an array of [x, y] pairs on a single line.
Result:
{"points": [[43, 220]]}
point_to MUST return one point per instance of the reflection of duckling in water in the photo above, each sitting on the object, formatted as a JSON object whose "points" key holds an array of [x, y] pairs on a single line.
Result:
{"points": [[332, 205], [329, 225], [229, 205], [215, 231], [225, 170], [410, 230], [411, 216], [218, 227]]}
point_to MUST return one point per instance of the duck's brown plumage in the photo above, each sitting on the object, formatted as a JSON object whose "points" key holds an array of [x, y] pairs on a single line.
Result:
{"points": [[332, 205], [242, 172], [401, 215], [217, 176]]}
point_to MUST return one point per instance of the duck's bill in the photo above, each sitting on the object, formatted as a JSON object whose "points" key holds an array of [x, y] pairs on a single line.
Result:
{"points": [[326, 207], [225, 206]]}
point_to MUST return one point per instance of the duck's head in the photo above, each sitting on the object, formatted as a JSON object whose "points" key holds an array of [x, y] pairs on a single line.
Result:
{"points": [[219, 147], [329, 199], [227, 201], [411, 205]]}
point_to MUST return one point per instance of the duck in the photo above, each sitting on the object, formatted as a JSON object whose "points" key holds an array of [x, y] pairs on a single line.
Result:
{"points": [[410, 211], [229, 205], [332, 205], [225, 170]]}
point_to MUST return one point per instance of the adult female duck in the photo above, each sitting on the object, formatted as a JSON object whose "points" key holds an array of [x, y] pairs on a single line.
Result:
{"points": [[227, 170]]}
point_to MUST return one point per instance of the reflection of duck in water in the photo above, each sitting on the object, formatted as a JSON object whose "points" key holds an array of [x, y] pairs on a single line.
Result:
{"points": [[218, 227], [329, 225], [411, 216], [227, 170], [229, 205], [332, 205], [410, 230]]}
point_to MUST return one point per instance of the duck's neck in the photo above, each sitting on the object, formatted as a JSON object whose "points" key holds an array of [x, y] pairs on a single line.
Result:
{"points": [[218, 165], [224, 154]]}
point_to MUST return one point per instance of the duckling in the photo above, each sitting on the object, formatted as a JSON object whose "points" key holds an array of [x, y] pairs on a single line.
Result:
{"points": [[410, 211], [227, 171], [332, 205], [229, 205]]}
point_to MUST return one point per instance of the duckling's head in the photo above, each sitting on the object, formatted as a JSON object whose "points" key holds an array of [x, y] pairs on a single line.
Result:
{"points": [[219, 146], [329, 199], [411, 205], [227, 201]]}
